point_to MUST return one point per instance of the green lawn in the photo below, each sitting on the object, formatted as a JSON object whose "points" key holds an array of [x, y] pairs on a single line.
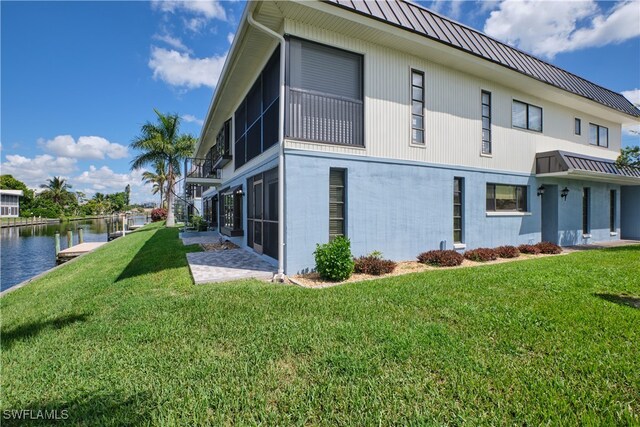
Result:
{"points": [[123, 337]]}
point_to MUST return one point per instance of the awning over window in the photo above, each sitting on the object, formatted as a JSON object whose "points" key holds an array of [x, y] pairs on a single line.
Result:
{"points": [[231, 190], [577, 166]]}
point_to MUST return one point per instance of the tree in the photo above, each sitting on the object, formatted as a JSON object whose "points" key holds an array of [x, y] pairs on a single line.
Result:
{"points": [[127, 194], [57, 190], [629, 156], [162, 142], [158, 179]]}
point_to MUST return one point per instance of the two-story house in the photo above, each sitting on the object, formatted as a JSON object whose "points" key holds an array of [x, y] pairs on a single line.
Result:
{"points": [[405, 131]]}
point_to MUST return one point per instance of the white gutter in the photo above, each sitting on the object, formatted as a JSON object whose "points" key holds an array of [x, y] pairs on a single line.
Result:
{"points": [[281, 216]]}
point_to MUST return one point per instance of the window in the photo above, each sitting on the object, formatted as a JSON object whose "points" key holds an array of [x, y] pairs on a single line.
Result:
{"points": [[577, 126], [417, 107], [586, 202], [612, 211], [256, 119], [486, 122], [231, 212], [458, 184], [526, 116], [598, 135], [506, 198], [324, 94], [336, 202]]}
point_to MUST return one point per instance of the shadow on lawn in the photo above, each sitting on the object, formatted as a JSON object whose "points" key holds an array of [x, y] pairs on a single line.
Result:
{"points": [[627, 300], [89, 410], [163, 251], [9, 337]]}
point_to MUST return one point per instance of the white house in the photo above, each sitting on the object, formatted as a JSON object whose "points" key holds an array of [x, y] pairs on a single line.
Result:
{"points": [[405, 131], [10, 203]]}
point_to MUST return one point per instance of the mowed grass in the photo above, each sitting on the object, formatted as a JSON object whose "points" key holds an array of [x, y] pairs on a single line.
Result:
{"points": [[123, 337]]}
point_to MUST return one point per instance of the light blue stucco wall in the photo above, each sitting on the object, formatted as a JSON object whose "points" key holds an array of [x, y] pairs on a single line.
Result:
{"points": [[401, 209], [630, 212]]}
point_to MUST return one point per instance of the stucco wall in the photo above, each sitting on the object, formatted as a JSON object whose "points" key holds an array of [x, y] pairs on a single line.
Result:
{"points": [[630, 212]]}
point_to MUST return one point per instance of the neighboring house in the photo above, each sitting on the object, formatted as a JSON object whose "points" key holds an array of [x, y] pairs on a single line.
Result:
{"points": [[10, 203], [404, 131]]}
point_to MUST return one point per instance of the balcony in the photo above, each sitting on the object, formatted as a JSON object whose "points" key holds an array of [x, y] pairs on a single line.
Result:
{"points": [[201, 171]]}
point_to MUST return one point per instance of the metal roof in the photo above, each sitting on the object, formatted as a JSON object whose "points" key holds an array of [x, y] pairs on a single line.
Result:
{"points": [[562, 161], [417, 19]]}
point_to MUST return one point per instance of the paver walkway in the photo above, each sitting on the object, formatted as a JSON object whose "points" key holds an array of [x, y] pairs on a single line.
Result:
{"points": [[226, 265]]}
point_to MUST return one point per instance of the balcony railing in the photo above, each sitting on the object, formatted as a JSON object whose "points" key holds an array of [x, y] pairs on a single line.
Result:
{"points": [[201, 168], [325, 118]]}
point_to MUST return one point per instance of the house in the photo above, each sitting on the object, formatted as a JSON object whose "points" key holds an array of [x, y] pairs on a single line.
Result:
{"points": [[404, 131], [10, 203]]}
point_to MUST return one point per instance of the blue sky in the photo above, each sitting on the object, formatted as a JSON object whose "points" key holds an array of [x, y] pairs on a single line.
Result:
{"points": [[80, 78]]}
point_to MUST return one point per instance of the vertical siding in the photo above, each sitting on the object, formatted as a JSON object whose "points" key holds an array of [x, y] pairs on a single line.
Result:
{"points": [[452, 119]]}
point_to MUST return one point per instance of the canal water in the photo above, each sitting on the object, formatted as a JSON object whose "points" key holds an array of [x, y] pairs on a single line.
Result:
{"points": [[30, 250]]}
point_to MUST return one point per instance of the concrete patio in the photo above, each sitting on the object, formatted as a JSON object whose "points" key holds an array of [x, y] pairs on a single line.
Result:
{"points": [[223, 265]]}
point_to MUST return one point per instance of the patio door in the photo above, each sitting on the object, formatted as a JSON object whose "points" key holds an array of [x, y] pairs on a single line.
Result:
{"points": [[258, 216]]}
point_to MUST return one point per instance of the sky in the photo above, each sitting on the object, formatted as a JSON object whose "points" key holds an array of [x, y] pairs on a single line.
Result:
{"points": [[79, 79]]}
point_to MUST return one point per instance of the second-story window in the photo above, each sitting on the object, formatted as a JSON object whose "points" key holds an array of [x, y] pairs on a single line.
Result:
{"points": [[577, 126], [417, 107], [486, 122], [526, 116], [598, 135]]}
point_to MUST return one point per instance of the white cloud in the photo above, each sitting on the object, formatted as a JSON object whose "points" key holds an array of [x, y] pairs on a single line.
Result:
{"points": [[104, 180], [189, 118], [547, 28], [174, 42], [210, 9], [632, 95], [181, 69], [87, 147], [34, 172], [230, 37]]}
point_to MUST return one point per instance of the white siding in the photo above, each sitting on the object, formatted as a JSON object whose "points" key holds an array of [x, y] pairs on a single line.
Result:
{"points": [[452, 120]]}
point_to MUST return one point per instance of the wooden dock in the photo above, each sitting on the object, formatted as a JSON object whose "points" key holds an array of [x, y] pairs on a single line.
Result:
{"points": [[77, 250]]}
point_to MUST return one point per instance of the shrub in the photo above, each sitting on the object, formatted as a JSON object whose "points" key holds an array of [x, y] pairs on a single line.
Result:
{"points": [[198, 223], [373, 264], [481, 254], [440, 258], [158, 214], [529, 249], [549, 248], [334, 261], [507, 252]]}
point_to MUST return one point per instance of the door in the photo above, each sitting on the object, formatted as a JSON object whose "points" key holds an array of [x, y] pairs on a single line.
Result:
{"points": [[258, 216], [549, 214]]}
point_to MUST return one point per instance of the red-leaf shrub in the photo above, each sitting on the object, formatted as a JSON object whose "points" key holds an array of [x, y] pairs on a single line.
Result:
{"points": [[549, 248], [481, 254], [529, 249], [441, 258], [507, 252], [158, 214], [373, 265]]}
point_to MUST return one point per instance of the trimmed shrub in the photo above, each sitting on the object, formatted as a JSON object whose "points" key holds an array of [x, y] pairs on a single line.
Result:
{"points": [[334, 261], [481, 254], [158, 214], [447, 258], [529, 249], [507, 252], [373, 264], [548, 248]]}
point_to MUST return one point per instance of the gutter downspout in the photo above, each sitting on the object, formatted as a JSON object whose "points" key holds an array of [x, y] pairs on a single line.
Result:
{"points": [[280, 276]]}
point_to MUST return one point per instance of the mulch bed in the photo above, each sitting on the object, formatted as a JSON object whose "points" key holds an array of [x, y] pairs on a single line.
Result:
{"points": [[219, 246]]}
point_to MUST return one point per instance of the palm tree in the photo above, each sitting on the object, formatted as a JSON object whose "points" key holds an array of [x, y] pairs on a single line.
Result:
{"points": [[162, 142], [57, 189], [158, 179]]}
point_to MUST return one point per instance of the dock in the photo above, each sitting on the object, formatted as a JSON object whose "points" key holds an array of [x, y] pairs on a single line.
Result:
{"points": [[77, 250]]}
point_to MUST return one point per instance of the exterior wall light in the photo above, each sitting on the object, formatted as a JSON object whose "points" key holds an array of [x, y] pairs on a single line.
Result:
{"points": [[239, 192], [564, 193], [541, 190]]}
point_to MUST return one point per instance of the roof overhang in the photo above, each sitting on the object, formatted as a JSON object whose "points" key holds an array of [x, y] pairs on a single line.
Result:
{"points": [[562, 164], [12, 192]]}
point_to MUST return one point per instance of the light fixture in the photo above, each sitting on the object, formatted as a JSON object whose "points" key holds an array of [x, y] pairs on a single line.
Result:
{"points": [[564, 193], [541, 190], [239, 192]]}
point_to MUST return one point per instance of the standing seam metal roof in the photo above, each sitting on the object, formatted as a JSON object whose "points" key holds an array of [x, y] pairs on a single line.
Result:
{"points": [[417, 19]]}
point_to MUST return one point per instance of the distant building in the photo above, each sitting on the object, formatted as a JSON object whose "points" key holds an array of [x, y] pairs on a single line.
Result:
{"points": [[10, 203]]}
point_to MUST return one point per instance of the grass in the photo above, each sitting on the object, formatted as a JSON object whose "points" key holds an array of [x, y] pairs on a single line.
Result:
{"points": [[122, 337]]}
